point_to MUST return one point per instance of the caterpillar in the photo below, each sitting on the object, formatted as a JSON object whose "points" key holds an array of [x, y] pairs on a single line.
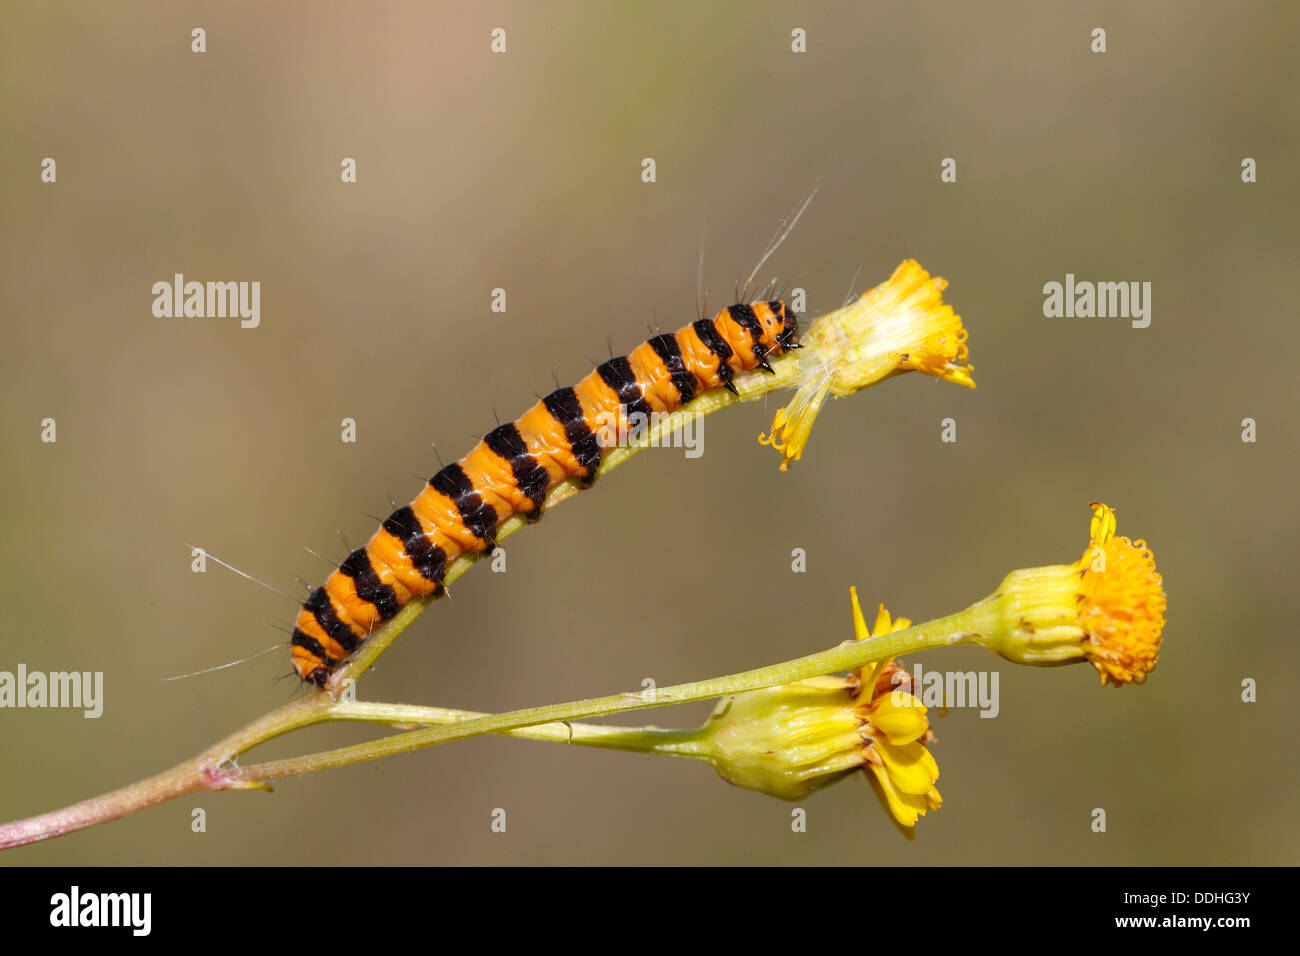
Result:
{"points": [[514, 466]]}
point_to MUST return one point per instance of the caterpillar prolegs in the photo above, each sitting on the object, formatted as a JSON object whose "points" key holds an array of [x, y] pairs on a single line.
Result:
{"points": [[515, 465]]}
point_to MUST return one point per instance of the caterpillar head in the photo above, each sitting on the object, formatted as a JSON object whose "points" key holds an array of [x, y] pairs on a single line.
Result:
{"points": [[770, 327], [786, 330]]}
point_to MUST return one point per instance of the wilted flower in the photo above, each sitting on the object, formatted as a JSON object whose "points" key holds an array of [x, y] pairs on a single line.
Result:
{"points": [[901, 325]]}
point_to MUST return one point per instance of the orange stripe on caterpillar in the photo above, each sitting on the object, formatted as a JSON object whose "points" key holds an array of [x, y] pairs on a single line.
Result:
{"points": [[515, 465]]}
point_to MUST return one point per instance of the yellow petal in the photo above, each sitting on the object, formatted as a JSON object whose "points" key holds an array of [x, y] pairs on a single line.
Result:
{"points": [[903, 808], [883, 625], [911, 767], [859, 622], [900, 724], [792, 424], [1103, 523]]}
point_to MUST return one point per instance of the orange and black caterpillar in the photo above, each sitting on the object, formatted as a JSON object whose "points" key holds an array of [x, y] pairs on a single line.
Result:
{"points": [[515, 465]]}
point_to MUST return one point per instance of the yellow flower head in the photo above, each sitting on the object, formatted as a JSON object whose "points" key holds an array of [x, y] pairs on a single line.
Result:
{"points": [[790, 740], [1121, 603], [1108, 608], [901, 325]]}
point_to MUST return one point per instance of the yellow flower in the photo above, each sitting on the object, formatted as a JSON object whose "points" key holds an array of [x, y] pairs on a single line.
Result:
{"points": [[1108, 608], [901, 325], [795, 738]]}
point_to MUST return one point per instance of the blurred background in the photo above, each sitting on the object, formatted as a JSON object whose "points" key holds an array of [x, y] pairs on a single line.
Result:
{"points": [[523, 171]]}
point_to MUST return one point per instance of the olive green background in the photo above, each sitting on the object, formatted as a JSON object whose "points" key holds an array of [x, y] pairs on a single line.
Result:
{"points": [[522, 171]]}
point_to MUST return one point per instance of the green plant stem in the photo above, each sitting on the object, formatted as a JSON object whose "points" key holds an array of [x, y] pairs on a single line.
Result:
{"points": [[201, 772], [648, 739], [957, 628], [214, 769]]}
